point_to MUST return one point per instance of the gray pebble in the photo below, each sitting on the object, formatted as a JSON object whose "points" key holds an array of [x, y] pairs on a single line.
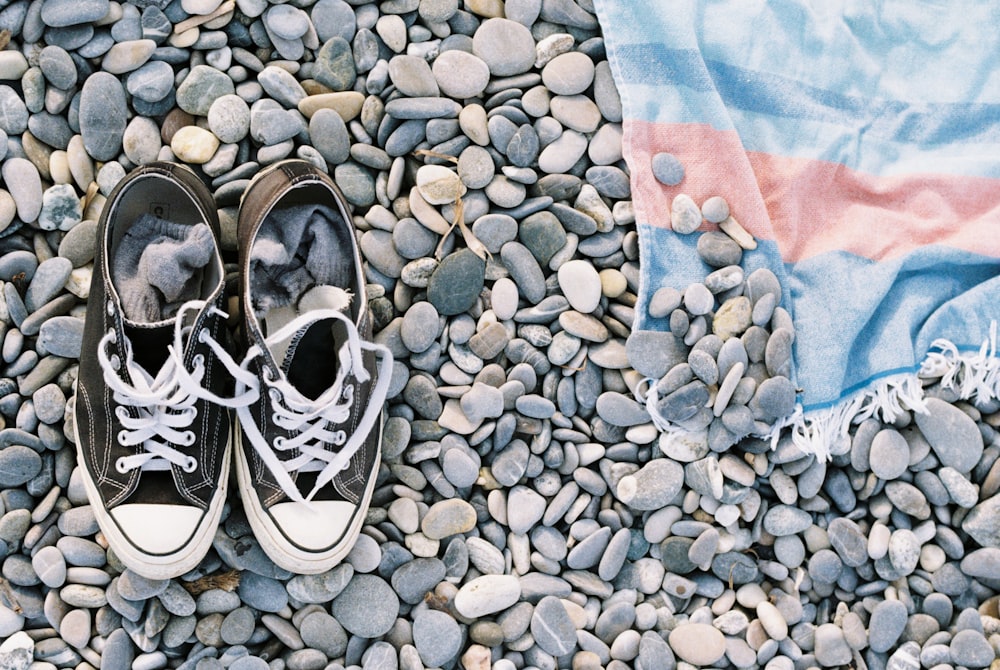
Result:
{"points": [[887, 622], [506, 47], [951, 433], [437, 637], [889, 455], [524, 270], [668, 170], [366, 607], [552, 627], [455, 284]]}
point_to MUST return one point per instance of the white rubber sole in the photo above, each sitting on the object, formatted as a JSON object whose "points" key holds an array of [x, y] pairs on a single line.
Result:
{"points": [[272, 540], [158, 566]]}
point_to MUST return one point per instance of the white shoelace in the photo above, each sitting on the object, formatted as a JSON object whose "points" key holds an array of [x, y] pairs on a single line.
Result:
{"points": [[165, 404], [309, 420]]}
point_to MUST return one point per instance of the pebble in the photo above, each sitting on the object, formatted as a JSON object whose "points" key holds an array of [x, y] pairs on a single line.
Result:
{"points": [[506, 47], [669, 171], [437, 637], [552, 627], [460, 74], [697, 643], [487, 594], [448, 517], [888, 620], [890, 455], [952, 434], [455, 284], [581, 285], [367, 606]]}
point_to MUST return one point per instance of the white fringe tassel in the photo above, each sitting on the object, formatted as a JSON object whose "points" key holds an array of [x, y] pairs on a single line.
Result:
{"points": [[825, 432], [971, 375]]}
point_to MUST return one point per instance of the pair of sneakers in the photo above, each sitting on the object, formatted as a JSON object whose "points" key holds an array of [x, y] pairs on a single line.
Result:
{"points": [[160, 381]]}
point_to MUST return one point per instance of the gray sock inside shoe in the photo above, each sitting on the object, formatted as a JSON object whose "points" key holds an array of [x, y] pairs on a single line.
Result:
{"points": [[159, 265]]}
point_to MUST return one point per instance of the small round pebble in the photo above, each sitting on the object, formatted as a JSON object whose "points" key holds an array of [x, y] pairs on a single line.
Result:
{"points": [[668, 169]]}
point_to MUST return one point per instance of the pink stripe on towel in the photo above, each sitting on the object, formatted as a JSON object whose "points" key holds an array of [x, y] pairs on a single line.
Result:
{"points": [[812, 207]]}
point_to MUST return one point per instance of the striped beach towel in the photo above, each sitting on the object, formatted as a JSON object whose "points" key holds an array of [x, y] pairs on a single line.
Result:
{"points": [[859, 142]]}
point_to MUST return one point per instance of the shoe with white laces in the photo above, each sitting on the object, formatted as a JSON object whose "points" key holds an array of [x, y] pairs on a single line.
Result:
{"points": [[151, 424], [308, 449]]}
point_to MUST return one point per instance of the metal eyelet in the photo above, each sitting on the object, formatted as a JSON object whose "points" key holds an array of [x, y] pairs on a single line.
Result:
{"points": [[120, 466], [279, 442], [116, 362], [111, 308], [202, 335], [190, 464], [188, 438], [123, 438]]}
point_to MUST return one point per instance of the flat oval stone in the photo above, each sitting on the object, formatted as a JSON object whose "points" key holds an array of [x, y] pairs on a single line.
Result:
{"points": [[552, 627], [718, 249], [620, 410], [103, 115], [507, 47], [562, 154], [334, 65], [887, 622], [18, 465], [448, 517], [486, 595], [438, 185], [653, 486], [460, 74], [13, 111], [776, 397], [524, 270], [412, 76], [983, 522], [952, 434], [568, 73], [581, 284], [193, 144], [422, 108], [849, 541], [455, 285], [127, 56], [786, 520], [685, 215], [668, 170], [697, 643], [49, 279], [890, 454], [437, 637], [62, 13], [367, 606], [229, 118], [50, 566], [151, 82]]}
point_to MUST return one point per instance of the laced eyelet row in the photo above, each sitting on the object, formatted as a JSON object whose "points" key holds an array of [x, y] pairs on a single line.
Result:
{"points": [[190, 465]]}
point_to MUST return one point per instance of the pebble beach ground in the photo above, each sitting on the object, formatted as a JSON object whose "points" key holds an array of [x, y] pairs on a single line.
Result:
{"points": [[528, 513]]}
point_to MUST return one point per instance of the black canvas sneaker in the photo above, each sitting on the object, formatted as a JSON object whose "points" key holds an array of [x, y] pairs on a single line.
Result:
{"points": [[308, 450], [152, 428]]}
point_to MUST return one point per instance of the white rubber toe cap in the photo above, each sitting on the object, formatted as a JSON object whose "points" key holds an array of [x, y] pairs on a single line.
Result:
{"points": [[317, 527], [157, 529]]}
